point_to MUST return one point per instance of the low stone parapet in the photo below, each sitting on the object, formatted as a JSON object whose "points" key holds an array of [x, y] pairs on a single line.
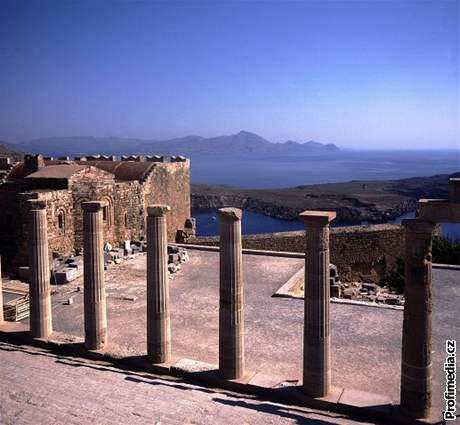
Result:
{"points": [[361, 253]]}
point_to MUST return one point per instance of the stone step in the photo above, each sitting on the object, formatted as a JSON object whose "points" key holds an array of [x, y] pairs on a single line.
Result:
{"points": [[454, 190]]}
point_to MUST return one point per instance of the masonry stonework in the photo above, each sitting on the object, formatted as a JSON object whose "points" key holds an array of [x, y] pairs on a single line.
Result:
{"points": [[126, 187], [361, 253]]}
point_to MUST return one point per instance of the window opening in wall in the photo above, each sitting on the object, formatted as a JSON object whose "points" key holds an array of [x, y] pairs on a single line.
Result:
{"points": [[126, 220], [61, 221], [104, 213]]}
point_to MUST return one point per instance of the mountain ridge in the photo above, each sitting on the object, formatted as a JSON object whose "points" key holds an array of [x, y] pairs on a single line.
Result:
{"points": [[240, 143]]}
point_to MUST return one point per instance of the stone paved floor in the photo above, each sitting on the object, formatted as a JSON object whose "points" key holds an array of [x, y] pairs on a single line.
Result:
{"points": [[366, 341], [40, 388]]}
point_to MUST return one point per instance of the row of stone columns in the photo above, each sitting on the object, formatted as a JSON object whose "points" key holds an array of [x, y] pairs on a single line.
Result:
{"points": [[95, 311], [95, 308], [416, 352], [416, 337]]}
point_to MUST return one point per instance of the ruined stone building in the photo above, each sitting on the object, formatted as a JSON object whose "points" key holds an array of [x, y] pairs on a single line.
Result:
{"points": [[127, 187]]}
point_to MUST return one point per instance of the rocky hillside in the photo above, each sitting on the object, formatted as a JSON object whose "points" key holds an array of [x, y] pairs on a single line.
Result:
{"points": [[6, 150], [354, 202]]}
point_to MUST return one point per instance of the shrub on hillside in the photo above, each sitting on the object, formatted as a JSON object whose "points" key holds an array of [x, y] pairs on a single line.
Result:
{"points": [[446, 251], [395, 278]]}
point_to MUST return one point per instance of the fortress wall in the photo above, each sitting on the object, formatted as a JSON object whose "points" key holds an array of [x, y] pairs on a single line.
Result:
{"points": [[169, 184], [363, 253], [129, 211], [93, 184], [60, 238]]}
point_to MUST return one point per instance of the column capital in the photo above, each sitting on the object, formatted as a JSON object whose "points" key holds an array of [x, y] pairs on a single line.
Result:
{"points": [[93, 206], [230, 214], [158, 210], [418, 226], [317, 218], [37, 204]]}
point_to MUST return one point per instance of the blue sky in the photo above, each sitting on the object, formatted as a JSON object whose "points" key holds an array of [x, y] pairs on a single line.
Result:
{"points": [[372, 74]]}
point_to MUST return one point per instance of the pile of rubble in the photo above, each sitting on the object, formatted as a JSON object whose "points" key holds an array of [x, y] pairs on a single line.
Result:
{"points": [[67, 269], [359, 291], [370, 292], [176, 256]]}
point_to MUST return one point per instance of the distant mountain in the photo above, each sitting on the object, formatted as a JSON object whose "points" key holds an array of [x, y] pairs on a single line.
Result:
{"points": [[243, 143], [6, 149], [80, 145]]}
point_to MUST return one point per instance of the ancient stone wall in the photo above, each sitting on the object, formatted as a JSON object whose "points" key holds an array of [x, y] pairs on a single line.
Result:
{"points": [[363, 253], [124, 217], [169, 184], [10, 221], [60, 222], [93, 184], [129, 211]]}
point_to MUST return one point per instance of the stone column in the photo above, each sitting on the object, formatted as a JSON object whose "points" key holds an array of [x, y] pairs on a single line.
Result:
{"points": [[416, 337], [158, 313], [39, 272], [317, 338], [231, 309], [94, 291], [1, 295]]}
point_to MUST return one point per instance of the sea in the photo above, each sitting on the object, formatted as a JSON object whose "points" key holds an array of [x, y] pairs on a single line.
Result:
{"points": [[288, 171], [207, 224], [267, 172]]}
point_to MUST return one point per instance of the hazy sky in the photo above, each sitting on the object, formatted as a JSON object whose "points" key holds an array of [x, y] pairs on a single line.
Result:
{"points": [[374, 74]]}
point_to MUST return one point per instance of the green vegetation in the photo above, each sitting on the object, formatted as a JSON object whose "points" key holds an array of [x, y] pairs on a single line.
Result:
{"points": [[395, 278], [446, 251]]}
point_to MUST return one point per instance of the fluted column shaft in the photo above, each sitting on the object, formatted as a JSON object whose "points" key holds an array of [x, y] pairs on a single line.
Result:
{"points": [[94, 289], [416, 338], [158, 312], [317, 338], [39, 269], [231, 308]]}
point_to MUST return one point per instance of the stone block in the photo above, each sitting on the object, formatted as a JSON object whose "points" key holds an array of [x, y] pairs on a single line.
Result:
{"points": [[24, 273], [173, 249], [65, 275], [115, 253], [172, 268], [336, 291], [183, 254], [364, 400], [174, 258], [135, 249], [266, 380], [185, 366]]}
